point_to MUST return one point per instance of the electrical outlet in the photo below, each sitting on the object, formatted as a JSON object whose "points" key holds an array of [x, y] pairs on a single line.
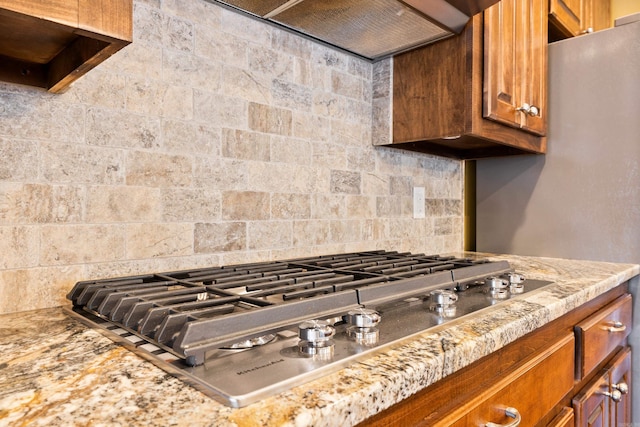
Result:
{"points": [[418, 202]]}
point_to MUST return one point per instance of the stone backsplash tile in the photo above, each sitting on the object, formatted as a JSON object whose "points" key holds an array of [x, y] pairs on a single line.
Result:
{"points": [[246, 205], [267, 235], [212, 139], [345, 182], [38, 287], [19, 246], [190, 204], [154, 169], [19, 160], [180, 136], [290, 206], [198, 71], [149, 240], [24, 203], [246, 145], [77, 244], [264, 118], [158, 99], [220, 237], [113, 204], [122, 129], [83, 164], [211, 107]]}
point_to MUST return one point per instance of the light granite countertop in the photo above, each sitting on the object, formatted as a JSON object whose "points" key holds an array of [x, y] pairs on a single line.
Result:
{"points": [[54, 371]]}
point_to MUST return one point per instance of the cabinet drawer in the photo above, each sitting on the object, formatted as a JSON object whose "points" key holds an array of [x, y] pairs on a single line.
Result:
{"points": [[564, 419], [533, 390], [598, 335]]}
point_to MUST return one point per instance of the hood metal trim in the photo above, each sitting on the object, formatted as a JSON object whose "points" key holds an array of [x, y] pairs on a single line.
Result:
{"points": [[371, 31]]}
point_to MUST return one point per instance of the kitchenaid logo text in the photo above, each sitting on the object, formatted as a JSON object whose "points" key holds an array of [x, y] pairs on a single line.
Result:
{"points": [[255, 368]]}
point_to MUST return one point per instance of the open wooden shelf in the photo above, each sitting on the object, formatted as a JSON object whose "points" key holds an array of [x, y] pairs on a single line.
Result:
{"points": [[51, 44]]}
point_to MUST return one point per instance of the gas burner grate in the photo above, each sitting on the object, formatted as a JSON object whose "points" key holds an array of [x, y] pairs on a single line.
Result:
{"points": [[192, 312]]}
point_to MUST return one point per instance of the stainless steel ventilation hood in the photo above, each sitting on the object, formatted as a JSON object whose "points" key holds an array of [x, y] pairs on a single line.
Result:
{"points": [[372, 29]]}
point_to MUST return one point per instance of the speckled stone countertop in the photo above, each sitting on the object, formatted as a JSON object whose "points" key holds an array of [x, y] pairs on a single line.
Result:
{"points": [[54, 371]]}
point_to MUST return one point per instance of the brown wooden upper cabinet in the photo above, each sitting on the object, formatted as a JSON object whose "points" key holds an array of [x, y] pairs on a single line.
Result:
{"points": [[479, 94], [570, 18], [515, 65], [52, 43]]}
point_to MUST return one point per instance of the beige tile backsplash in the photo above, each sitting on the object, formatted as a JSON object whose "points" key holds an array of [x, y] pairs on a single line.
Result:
{"points": [[212, 139]]}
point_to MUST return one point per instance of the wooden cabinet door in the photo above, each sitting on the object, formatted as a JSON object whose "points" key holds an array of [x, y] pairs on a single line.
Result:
{"points": [[597, 404], [503, 44], [596, 15], [568, 15], [591, 406], [620, 373], [534, 80], [515, 64]]}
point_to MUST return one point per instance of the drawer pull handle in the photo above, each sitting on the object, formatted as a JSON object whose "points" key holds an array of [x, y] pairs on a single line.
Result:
{"points": [[511, 413], [616, 327]]}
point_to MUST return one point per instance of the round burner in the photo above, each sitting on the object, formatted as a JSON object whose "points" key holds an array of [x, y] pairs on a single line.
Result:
{"points": [[250, 343]]}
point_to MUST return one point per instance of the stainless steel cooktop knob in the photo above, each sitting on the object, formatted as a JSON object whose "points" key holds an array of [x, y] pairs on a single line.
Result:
{"points": [[516, 288], [514, 278], [443, 302], [363, 318], [364, 336], [443, 297], [315, 331], [496, 283], [315, 339]]}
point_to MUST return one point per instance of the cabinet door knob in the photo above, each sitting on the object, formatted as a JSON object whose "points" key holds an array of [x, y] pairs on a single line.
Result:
{"points": [[587, 31], [530, 110], [622, 387], [615, 395], [616, 326], [511, 413]]}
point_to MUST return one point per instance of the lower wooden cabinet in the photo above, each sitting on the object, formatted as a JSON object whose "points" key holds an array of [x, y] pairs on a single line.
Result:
{"points": [[525, 395], [533, 380], [606, 400], [600, 334], [620, 371], [564, 419], [591, 406]]}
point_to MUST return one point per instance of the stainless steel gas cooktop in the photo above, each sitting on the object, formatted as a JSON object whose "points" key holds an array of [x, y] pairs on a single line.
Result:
{"points": [[241, 333]]}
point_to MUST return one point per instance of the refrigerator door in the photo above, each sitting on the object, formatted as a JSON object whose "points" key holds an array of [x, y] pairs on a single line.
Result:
{"points": [[581, 200]]}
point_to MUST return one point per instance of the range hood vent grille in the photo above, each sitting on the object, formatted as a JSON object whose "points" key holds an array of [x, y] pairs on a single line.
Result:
{"points": [[372, 29]]}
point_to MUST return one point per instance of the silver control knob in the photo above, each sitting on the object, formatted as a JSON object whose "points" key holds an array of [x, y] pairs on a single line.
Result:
{"points": [[516, 282], [315, 339], [443, 297], [514, 278], [497, 287], [496, 283], [363, 318], [362, 329], [315, 331], [443, 302]]}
